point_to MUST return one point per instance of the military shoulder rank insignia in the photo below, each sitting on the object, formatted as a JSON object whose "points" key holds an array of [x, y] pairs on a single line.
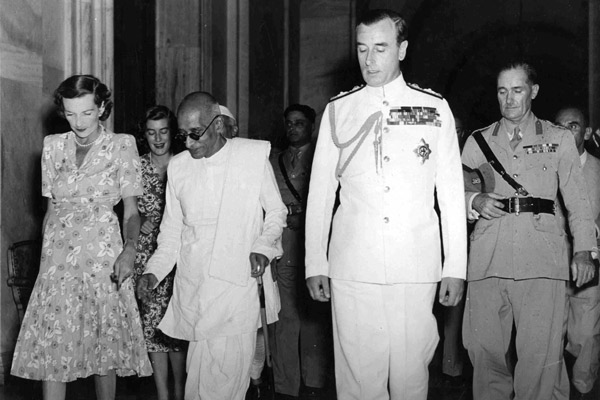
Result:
{"points": [[414, 116], [344, 94], [541, 148], [426, 91], [423, 151]]}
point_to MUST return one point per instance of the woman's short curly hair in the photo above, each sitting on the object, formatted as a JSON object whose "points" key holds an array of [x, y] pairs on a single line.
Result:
{"points": [[156, 113], [80, 85]]}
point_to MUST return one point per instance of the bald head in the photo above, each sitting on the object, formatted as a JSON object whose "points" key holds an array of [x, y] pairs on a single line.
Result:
{"points": [[575, 112], [201, 102], [200, 122], [574, 120]]}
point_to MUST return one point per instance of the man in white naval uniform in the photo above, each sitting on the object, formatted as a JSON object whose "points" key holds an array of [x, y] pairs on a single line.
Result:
{"points": [[390, 148], [214, 229]]}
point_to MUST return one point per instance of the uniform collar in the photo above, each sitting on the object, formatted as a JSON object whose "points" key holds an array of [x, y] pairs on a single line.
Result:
{"points": [[525, 125], [299, 150], [394, 86], [583, 157]]}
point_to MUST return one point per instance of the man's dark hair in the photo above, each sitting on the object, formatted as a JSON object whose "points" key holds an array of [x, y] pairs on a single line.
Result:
{"points": [[308, 112], [578, 108], [373, 16], [532, 77]]}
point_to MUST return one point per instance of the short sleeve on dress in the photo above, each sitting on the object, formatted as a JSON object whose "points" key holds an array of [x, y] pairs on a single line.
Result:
{"points": [[130, 180], [49, 167]]}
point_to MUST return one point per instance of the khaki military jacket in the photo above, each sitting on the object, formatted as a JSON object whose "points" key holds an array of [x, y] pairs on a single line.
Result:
{"points": [[530, 245], [299, 176]]}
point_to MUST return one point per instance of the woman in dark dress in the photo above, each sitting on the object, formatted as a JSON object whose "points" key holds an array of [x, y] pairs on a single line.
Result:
{"points": [[156, 139]]}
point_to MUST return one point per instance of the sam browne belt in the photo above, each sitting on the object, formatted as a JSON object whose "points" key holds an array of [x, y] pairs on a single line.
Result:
{"points": [[536, 205]]}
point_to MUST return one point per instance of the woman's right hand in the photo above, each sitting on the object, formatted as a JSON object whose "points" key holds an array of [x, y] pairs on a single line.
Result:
{"points": [[148, 226], [145, 286]]}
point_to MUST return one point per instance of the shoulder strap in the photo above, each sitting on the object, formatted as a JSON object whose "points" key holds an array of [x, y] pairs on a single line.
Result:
{"points": [[491, 157], [287, 179]]}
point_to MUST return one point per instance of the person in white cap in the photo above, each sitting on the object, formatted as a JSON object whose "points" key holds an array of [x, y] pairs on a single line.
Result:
{"points": [[231, 127]]}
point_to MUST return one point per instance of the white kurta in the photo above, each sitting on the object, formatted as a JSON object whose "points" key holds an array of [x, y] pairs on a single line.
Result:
{"points": [[204, 306]]}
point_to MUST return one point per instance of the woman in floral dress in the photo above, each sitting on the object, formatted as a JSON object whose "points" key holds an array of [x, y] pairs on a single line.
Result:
{"points": [[82, 318], [156, 139]]}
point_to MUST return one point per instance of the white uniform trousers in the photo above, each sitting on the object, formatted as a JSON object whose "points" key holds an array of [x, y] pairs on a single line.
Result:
{"points": [[219, 368], [384, 337]]}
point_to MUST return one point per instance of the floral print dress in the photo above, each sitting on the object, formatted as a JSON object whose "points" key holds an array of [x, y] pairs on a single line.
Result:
{"points": [[151, 205], [77, 324]]}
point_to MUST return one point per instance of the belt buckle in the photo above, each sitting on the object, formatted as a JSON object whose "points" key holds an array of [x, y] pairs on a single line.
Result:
{"points": [[517, 205]]}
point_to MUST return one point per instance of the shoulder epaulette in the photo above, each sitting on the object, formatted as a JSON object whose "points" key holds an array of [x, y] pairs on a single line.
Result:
{"points": [[344, 94], [552, 124], [426, 91], [484, 129]]}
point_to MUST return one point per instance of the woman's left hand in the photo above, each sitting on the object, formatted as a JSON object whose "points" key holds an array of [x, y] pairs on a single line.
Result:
{"points": [[124, 266]]}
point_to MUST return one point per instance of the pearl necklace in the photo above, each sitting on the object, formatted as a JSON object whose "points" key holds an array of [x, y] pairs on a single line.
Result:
{"points": [[87, 144]]}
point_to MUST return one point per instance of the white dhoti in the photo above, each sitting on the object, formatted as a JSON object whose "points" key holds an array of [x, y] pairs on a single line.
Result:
{"points": [[224, 365], [384, 336]]}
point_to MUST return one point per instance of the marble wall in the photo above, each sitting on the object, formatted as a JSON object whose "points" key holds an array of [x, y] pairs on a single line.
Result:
{"points": [[24, 103]]}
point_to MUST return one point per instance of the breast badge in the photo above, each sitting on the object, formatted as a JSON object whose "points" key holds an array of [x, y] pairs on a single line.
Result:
{"points": [[423, 151], [541, 148], [414, 116]]}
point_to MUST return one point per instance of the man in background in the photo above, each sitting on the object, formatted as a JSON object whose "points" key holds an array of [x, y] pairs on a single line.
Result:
{"points": [[231, 126], [300, 351], [583, 307]]}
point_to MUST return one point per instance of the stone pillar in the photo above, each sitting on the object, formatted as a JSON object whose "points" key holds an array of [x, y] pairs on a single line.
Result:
{"points": [[182, 27], [230, 57], [594, 63], [89, 30]]}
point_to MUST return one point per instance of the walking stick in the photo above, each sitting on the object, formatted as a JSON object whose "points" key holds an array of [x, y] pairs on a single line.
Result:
{"points": [[265, 330]]}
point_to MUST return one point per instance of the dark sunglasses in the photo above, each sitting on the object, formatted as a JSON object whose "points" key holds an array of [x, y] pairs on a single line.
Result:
{"points": [[183, 135]]}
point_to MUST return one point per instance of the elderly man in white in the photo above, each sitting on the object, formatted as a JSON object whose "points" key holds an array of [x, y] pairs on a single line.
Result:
{"points": [[222, 225]]}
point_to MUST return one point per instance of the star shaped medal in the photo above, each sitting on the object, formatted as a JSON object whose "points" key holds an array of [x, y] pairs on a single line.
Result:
{"points": [[423, 151]]}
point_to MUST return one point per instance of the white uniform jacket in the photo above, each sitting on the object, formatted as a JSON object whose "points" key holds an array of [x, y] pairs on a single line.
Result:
{"points": [[213, 220], [386, 229]]}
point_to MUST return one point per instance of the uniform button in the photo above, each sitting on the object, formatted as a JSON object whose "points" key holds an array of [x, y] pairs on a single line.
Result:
{"points": [[515, 157], [386, 220], [386, 159], [544, 168], [516, 194], [386, 129], [515, 175], [385, 103], [386, 189]]}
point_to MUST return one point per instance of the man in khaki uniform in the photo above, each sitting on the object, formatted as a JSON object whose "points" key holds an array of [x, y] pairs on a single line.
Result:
{"points": [[583, 307], [519, 254]]}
